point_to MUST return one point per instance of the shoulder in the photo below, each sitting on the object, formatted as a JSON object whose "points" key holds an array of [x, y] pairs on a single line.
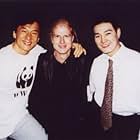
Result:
{"points": [[43, 56], [99, 58], [6, 52], [126, 51], [44, 59], [82, 58], [97, 63], [132, 54], [5, 48], [37, 50]]}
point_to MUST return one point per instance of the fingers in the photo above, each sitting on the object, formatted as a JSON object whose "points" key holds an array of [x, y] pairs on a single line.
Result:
{"points": [[84, 51], [79, 50]]}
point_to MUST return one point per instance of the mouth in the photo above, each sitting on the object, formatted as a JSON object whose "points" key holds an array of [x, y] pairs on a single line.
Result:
{"points": [[105, 46], [62, 46], [27, 43]]}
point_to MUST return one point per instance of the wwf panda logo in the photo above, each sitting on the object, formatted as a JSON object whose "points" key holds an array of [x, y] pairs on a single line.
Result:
{"points": [[25, 77]]}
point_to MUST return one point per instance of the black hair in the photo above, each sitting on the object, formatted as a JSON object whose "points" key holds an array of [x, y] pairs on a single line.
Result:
{"points": [[106, 19], [23, 20]]}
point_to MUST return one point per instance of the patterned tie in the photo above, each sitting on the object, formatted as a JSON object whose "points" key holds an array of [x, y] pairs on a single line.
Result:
{"points": [[106, 109]]}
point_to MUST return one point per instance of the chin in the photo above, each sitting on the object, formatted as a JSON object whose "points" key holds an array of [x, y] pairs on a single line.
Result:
{"points": [[63, 51]]}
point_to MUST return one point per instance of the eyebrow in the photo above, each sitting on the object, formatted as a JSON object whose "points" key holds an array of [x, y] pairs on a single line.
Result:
{"points": [[108, 30], [35, 30], [63, 35]]}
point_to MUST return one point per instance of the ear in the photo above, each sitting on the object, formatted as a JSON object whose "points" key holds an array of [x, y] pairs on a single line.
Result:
{"points": [[14, 34], [119, 33], [72, 38], [38, 39], [51, 38]]}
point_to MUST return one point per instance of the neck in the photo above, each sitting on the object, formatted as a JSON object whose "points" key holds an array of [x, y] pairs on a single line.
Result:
{"points": [[61, 57], [114, 51], [18, 50]]}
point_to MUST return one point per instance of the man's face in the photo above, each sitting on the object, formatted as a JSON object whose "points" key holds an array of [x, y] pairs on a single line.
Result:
{"points": [[62, 39], [106, 38], [26, 37]]}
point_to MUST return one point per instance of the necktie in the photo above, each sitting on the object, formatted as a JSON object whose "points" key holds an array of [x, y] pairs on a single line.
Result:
{"points": [[106, 108]]}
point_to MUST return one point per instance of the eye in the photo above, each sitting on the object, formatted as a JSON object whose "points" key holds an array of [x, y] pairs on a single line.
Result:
{"points": [[23, 31], [56, 36], [107, 33], [97, 36], [67, 36], [35, 33]]}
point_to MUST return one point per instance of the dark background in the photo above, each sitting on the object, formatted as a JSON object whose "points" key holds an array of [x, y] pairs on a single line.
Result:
{"points": [[80, 12]]}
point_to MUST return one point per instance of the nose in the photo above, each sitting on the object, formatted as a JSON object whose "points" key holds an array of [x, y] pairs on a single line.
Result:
{"points": [[28, 36], [103, 39], [62, 41]]}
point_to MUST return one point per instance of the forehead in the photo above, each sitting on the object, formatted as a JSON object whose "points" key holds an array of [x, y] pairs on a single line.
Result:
{"points": [[32, 26], [62, 28], [103, 27]]}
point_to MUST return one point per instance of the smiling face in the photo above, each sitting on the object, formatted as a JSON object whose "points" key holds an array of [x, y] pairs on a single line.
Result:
{"points": [[107, 38], [62, 38], [26, 37]]}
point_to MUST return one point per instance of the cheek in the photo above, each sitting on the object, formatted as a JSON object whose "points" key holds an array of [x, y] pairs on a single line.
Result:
{"points": [[69, 45], [35, 39], [19, 36], [55, 46], [68, 41], [54, 41], [97, 42]]}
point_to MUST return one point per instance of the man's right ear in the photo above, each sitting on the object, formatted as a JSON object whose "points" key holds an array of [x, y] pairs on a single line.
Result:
{"points": [[14, 34]]}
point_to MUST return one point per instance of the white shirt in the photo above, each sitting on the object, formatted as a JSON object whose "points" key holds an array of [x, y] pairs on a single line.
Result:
{"points": [[126, 80], [17, 73]]}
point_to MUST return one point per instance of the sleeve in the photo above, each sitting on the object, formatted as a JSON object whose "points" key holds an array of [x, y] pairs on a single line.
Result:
{"points": [[36, 97], [91, 87]]}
